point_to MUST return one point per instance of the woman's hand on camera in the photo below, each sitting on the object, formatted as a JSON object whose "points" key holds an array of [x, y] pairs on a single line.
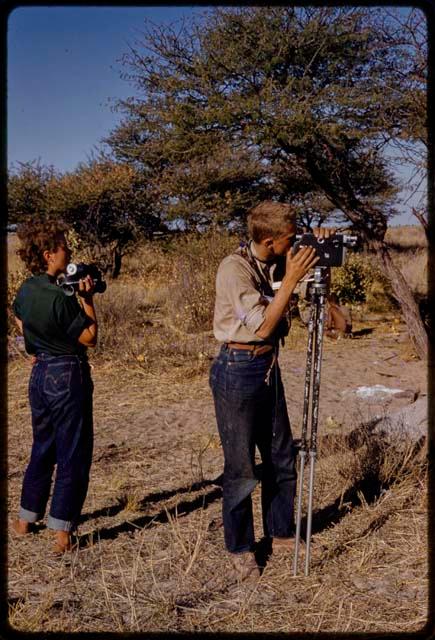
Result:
{"points": [[86, 287]]}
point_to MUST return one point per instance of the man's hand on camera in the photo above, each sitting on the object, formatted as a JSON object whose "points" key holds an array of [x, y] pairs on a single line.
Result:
{"points": [[299, 264], [86, 288], [324, 232]]}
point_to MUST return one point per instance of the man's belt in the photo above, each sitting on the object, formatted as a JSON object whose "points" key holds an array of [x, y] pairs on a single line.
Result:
{"points": [[258, 349]]}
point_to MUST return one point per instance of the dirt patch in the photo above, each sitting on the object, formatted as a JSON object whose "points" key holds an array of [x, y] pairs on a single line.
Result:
{"points": [[151, 554]]}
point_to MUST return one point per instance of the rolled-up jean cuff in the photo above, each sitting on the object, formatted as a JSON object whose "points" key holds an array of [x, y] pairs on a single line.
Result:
{"points": [[244, 549], [60, 525], [29, 516]]}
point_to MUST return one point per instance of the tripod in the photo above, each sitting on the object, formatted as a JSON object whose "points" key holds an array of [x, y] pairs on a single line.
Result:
{"points": [[317, 292]]}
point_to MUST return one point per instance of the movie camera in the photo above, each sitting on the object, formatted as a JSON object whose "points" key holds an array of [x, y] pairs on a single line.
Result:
{"points": [[69, 281], [331, 251]]}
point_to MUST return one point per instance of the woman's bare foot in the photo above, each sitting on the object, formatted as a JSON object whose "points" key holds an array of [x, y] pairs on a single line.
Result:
{"points": [[21, 527], [63, 542]]}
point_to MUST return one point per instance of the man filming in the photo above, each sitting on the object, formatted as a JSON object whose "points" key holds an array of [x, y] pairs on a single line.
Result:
{"points": [[250, 406]]}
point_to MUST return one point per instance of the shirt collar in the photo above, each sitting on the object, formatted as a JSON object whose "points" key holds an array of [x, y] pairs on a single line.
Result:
{"points": [[264, 263], [47, 276]]}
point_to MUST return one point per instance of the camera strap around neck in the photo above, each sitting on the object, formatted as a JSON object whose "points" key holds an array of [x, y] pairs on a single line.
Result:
{"points": [[245, 252]]}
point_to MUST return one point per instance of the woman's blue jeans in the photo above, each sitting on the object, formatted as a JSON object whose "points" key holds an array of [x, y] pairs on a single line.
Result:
{"points": [[60, 393], [251, 411]]}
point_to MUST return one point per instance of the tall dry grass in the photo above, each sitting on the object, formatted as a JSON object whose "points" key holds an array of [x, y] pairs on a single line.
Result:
{"points": [[406, 237], [160, 310], [159, 313]]}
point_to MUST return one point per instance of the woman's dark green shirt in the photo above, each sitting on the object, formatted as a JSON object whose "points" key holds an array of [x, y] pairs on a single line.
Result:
{"points": [[52, 321]]}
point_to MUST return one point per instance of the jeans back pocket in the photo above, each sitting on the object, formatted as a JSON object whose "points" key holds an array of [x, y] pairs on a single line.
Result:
{"points": [[57, 378]]}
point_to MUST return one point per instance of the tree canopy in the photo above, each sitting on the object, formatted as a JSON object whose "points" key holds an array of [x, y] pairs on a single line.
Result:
{"points": [[251, 102], [29, 190], [106, 203], [295, 104]]}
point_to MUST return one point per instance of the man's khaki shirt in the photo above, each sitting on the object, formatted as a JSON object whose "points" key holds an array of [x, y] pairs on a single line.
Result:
{"points": [[240, 304]]}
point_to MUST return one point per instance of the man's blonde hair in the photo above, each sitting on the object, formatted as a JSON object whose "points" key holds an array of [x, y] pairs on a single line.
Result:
{"points": [[269, 219]]}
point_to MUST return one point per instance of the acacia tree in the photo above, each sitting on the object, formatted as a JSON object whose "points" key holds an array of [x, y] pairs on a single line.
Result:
{"points": [[108, 205], [105, 202], [271, 101], [29, 190]]}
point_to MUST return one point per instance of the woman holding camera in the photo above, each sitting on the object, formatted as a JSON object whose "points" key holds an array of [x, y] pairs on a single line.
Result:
{"points": [[57, 331]]}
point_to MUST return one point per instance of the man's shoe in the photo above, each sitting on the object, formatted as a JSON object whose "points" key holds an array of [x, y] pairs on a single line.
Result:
{"points": [[245, 567], [282, 545]]}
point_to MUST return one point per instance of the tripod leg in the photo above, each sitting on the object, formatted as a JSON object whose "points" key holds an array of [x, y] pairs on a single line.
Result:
{"points": [[312, 455], [302, 455], [308, 372], [303, 449], [314, 420]]}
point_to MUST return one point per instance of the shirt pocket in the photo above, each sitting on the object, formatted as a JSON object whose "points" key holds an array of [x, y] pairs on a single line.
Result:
{"points": [[57, 379]]}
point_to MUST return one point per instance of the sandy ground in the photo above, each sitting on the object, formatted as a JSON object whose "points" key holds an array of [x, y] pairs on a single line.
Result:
{"points": [[151, 555]]}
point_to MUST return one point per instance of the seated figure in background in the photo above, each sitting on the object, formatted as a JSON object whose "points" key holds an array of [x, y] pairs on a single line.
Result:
{"points": [[338, 320]]}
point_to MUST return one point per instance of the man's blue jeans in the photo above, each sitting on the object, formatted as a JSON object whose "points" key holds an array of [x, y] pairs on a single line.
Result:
{"points": [[60, 393], [252, 411]]}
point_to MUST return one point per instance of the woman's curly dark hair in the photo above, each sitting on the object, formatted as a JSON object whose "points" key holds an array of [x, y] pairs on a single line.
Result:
{"points": [[37, 237]]}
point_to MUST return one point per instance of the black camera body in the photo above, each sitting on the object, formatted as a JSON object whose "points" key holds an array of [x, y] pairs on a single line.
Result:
{"points": [[331, 251], [69, 281]]}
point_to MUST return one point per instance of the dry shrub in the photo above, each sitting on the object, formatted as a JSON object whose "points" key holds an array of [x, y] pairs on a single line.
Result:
{"points": [[414, 266], [123, 311], [15, 280], [384, 458], [14, 262], [190, 302], [379, 297], [150, 263], [17, 273], [132, 330]]}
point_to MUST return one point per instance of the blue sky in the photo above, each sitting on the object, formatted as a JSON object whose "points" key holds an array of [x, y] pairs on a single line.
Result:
{"points": [[63, 68]]}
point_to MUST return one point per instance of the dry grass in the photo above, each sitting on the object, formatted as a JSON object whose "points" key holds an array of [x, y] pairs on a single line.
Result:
{"points": [[14, 262], [414, 269], [409, 251], [151, 554], [151, 542], [163, 302], [406, 237]]}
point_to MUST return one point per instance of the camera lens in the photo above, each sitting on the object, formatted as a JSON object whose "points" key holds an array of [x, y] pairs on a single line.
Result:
{"points": [[71, 269]]}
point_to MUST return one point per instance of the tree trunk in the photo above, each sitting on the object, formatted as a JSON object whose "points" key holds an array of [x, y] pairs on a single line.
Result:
{"points": [[405, 298], [371, 222], [116, 262], [423, 221]]}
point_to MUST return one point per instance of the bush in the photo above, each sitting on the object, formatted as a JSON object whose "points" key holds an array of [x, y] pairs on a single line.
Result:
{"points": [[15, 280], [354, 281], [150, 263], [123, 313], [190, 303]]}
